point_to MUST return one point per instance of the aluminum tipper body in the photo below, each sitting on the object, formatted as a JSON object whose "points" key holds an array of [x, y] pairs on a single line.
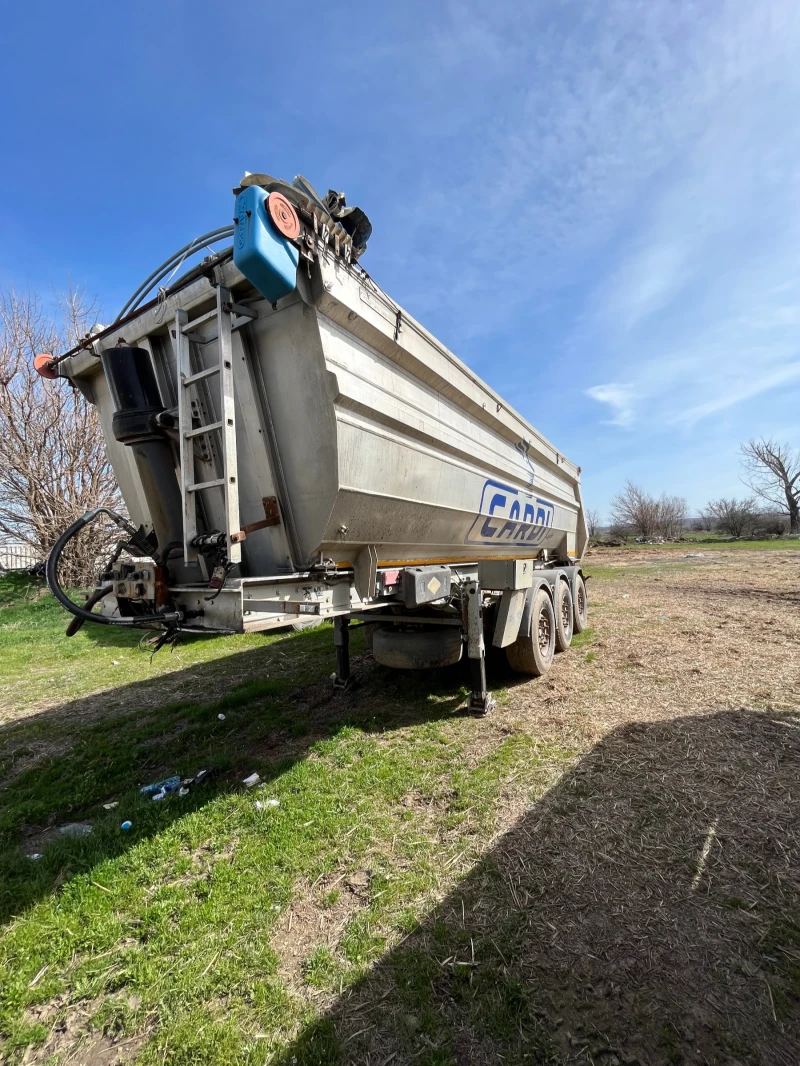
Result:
{"points": [[293, 446]]}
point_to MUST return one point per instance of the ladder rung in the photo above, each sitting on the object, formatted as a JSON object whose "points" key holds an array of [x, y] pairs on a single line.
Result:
{"points": [[202, 429], [201, 376], [197, 321], [206, 485]]}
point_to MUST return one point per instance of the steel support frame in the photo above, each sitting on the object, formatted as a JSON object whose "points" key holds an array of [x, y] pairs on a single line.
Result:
{"points": [[481, 701], [341, 641]]}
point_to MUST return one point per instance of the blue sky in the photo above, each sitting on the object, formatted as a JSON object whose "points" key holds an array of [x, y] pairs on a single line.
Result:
{"points": [[596, 205]]}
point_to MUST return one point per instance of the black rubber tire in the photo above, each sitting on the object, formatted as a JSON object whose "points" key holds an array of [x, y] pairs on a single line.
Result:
{"points": [[580, 606], [532, 653], [565, 616], [414, 649]]}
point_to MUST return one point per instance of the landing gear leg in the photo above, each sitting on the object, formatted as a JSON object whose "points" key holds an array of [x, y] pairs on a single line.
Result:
{"points": [[341, 640], [480, 701]]}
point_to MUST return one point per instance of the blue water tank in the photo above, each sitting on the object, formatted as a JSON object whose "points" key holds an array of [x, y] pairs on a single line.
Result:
{"points": [[267, 259]]}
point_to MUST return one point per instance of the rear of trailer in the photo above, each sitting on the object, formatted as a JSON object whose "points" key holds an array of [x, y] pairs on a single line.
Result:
{"points": [[292, 446]]}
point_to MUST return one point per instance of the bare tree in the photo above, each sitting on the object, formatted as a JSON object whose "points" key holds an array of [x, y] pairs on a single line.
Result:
{"points": [[773, 474], [634, 509], [705, 521], [592, 523], [53, 466], [647, 516], [737, 518], [671, 516]]}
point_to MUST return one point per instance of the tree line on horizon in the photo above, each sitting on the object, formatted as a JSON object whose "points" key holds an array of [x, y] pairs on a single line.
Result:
{"points": [[771, 472]]}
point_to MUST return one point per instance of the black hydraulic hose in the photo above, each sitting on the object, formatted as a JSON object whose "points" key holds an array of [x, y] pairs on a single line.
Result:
{"points": [[75, 608], [95, 597]]}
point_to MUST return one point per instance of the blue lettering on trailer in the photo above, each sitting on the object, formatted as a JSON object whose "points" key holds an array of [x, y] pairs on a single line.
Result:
{"points": [[508, 515]]}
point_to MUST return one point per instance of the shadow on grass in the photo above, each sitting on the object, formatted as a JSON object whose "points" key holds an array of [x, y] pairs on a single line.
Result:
{"points": [[646, 911], [258, 710]]}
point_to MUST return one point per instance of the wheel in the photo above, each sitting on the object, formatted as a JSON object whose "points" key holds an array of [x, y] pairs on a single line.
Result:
{"points": [[532, 653], [564, 616], [580, 608], [415, 649]]}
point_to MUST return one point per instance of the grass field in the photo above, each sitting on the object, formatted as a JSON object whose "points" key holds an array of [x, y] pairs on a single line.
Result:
{"points": [[710, 542], [408, 884]]}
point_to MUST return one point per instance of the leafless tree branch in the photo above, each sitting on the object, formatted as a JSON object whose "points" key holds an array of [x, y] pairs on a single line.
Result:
{"points": [[772, 472], [737, 518], [646, 516], [53, 466]]}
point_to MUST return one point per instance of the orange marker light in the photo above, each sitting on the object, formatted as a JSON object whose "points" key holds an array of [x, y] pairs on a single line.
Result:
{"points": [[43, 365]]}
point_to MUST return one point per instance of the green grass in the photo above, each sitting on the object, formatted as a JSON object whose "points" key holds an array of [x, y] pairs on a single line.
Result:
{"points": [[707, 542], [166, 932], [41, 663]]}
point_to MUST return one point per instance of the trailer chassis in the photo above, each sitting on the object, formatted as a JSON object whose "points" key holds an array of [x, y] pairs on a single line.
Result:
{"points": [[255, 604]]}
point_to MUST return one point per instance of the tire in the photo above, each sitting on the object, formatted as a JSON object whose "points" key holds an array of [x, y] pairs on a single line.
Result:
{"points": [[565, 616], [413, 649], [580, 607], [532, 653]]}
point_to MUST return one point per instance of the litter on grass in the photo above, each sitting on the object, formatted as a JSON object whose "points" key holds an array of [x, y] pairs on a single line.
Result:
{"points": [[198, 778], [75, 829], [221, 717], [126, 825], [251, 781], [160, 789], [111, 806]]}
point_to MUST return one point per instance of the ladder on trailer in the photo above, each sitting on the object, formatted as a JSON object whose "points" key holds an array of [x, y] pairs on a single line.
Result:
{"points": [[225, 427]]}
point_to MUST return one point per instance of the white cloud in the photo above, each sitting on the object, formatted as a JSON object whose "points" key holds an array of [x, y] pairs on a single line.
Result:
{"points": [[755, 385], [621, 400], [700, 313], [632, 166]]}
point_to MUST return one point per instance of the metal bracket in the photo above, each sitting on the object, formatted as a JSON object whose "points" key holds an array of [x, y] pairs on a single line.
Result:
{"points": [[365, 572], [509, 617], [272, 516]]}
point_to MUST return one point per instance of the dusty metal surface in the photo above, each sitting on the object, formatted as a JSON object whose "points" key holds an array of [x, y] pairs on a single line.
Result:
{"points": [[378, 445]]}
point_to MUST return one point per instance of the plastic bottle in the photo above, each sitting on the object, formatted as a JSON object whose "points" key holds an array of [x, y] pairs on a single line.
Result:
{"points": [[169, 784]]}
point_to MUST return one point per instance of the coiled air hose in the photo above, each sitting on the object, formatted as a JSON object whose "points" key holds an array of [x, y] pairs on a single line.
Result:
{"points": [[75, 608]]}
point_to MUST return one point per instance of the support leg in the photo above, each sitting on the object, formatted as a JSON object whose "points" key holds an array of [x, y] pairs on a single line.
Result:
{"points": [[341, 640], [480, 700]]}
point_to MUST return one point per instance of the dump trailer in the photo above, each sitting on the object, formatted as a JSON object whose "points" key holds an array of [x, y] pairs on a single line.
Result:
{"points": [[292, 446]]}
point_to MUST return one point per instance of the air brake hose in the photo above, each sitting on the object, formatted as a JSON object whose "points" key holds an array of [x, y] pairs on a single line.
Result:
{"points": [[76, 609]]}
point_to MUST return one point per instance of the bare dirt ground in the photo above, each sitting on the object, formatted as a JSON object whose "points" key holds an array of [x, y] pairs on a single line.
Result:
{"points": [[648, 906]]}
